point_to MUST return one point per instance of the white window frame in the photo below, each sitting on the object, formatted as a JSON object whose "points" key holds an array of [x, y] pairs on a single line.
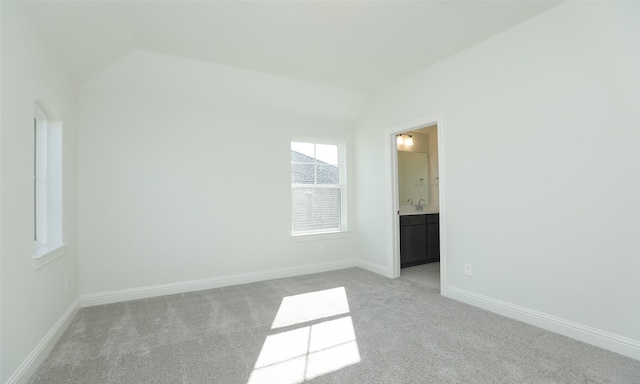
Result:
{"points": [[47, 178], [342, 186]]}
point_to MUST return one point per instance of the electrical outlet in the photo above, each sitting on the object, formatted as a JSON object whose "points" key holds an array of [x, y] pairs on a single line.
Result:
{"points": [[467, 270], [66, 284], [324, 249]]}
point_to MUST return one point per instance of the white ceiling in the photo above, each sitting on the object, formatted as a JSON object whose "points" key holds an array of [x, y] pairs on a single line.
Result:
{"points": [[357, 45]]}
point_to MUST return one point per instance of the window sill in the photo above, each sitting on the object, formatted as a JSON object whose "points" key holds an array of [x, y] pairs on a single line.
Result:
{"points": [[45, 254], [319, 236]]}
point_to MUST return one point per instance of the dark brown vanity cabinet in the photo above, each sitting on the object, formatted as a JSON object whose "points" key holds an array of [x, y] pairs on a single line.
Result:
{"points": [[419, 239]]}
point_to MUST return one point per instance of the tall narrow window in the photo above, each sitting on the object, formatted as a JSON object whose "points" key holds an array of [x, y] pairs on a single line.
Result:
{"points": [[317, 187], [47, 187], [35, 177], [40, 123]]}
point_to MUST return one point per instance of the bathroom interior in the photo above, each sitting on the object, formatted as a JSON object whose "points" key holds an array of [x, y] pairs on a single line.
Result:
{"points": [[418, 193]]}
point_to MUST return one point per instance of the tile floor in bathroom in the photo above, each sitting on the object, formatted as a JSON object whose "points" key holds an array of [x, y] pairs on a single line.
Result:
{"points": [[426, 274]]}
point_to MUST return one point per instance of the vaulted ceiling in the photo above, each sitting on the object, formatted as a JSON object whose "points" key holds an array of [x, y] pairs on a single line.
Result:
{"points": [[356, 45]]}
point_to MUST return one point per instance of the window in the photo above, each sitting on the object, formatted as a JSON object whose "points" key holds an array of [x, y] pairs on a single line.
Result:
{"points": [[47, 188], [39, 178], [317, 187]]}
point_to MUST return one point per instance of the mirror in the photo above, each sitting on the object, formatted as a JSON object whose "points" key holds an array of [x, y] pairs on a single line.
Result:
{"points": [[413, 177]]}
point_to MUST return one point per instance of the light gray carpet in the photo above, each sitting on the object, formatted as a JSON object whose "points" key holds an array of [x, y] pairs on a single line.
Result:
{"points": [[386, 331]]}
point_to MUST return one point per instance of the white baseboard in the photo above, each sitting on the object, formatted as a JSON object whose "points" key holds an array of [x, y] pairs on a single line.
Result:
{"points": [[40, 352], [612, 342], [375, 268], [102, 298]]}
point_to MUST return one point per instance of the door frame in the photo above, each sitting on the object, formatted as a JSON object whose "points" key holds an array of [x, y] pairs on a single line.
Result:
{"points": [[391, 188]]}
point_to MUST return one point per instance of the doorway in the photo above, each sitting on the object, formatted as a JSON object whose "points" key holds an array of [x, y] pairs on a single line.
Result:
{"points": [[417, 204]]}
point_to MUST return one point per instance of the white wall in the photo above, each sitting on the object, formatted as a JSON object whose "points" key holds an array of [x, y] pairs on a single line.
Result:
{"points": [[144, 72], [32, 300], [176, 187], [542, 164]]}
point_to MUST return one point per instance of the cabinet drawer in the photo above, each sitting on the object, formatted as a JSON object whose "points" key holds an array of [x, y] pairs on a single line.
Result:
{"points": [[433, 218], [412, 220]]}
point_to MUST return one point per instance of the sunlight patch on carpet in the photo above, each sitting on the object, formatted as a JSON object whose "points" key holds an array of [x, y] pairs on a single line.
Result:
{"points": [[311, 306], [306, 352]]}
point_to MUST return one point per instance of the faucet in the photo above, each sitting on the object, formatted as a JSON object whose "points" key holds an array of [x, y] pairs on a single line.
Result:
{"points": [[420, 206], [410, 201]]}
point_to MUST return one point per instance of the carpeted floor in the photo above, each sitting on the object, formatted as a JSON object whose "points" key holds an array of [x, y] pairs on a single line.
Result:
{"points": [[348, 326]]}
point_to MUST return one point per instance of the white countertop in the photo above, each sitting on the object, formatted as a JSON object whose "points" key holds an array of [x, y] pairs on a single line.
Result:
{"points": [[406, 210]]}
